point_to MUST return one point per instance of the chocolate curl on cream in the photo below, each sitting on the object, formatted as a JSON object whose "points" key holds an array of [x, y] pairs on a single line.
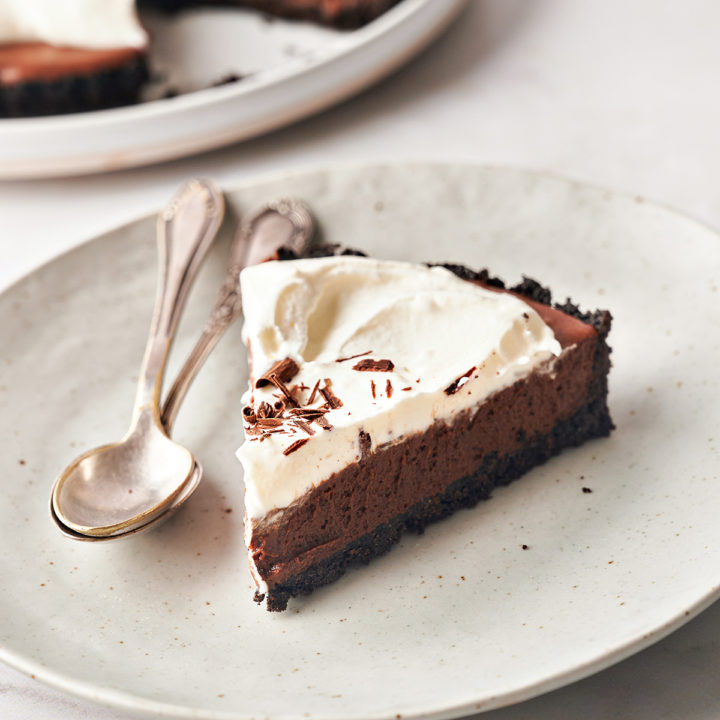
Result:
{"points": [[284, 370], [456, 384], [331, 399]]}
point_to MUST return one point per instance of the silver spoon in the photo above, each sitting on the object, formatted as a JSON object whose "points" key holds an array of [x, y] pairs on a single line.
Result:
{"points": [[187, 490], [285, 223], [122, 485]]}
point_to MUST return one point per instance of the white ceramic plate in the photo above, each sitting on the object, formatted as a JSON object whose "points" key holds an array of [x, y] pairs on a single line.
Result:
{"points": [[291, 70], [458, 620]]}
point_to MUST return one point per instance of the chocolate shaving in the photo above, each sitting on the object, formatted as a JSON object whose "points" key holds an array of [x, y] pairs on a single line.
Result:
{"points": [[284, 370], [303, 426], [277, 382], [312, 394], [388, 388], [406, 389], [352, 357], [307, 413], [370, 365], [265, 410], [455, 385], [269, 422], [372, 388], [322, 421], [365, 442], [295, 389], [295, 446], [249, 414], [332, 400]]}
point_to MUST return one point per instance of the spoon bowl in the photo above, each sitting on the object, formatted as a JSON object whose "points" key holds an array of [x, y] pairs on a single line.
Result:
{"points": [[121, 485], [133, 529]]}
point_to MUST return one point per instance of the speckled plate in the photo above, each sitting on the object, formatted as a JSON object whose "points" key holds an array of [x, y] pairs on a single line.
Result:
{"points": [[458, 620]]}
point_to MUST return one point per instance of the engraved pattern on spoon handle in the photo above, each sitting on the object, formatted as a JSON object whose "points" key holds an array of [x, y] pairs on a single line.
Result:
{"points": [[185, 231], [250, 240]]}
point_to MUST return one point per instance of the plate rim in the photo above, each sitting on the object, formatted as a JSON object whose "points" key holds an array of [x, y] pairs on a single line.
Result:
{"points": [[151, 708]]}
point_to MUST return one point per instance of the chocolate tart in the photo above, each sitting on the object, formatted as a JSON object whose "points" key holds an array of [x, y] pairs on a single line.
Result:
{"points": [[362, 510], [41, 79]]}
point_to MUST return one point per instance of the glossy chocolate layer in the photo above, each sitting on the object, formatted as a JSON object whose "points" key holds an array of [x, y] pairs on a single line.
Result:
{"points": [[30, 62]]}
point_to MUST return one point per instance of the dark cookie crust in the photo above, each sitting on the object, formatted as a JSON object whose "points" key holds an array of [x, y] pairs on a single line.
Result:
{"points": [[75, 93]]}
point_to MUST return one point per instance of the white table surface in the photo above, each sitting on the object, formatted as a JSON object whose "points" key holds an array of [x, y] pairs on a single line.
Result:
{"points": [[620, 94]]}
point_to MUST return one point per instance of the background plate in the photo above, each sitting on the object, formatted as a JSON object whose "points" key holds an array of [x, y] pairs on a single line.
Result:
{"points": [[458, 620], [291, 70]]}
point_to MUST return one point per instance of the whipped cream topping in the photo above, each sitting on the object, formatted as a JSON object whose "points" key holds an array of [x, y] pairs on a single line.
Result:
{"points": [[92, 24], [427, 346]]}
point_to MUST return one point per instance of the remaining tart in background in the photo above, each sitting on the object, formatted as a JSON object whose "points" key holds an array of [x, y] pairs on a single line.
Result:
{"points": [[386, 395], [62, 56], [66, 56]]}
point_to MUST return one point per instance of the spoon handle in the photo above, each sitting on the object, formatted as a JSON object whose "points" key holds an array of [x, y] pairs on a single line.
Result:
{"points": [[185, 231], [286, 223]]}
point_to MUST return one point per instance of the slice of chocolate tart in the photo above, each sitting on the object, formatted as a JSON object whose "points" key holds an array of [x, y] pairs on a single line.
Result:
{"points": [[387, 395]]}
